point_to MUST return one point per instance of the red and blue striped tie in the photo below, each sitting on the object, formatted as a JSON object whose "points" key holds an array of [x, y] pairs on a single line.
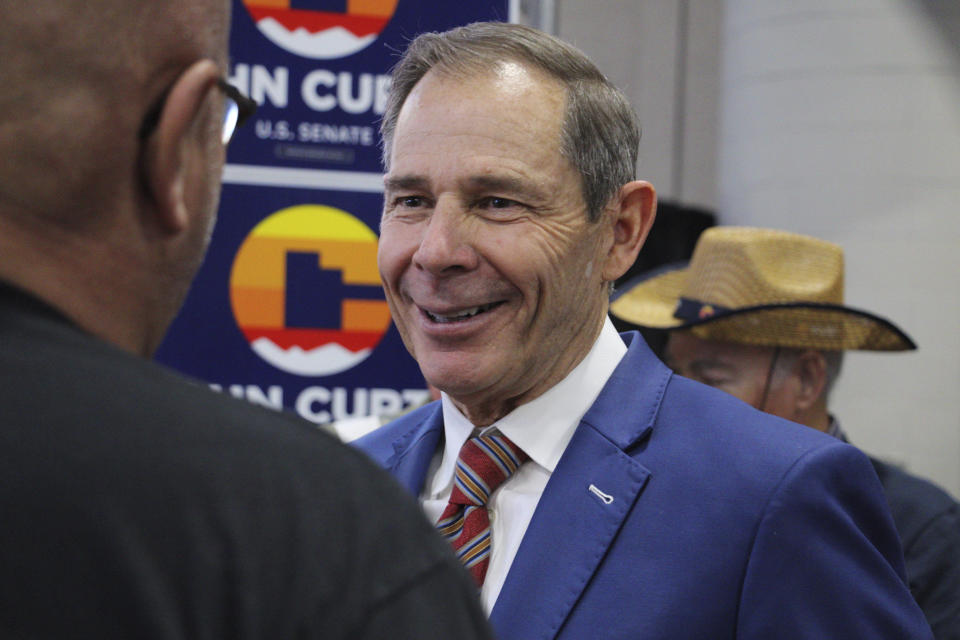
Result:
{"points": [[484, 463]]}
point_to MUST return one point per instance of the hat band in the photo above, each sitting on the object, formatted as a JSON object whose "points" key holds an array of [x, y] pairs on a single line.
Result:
{"points": [[690, 309]]}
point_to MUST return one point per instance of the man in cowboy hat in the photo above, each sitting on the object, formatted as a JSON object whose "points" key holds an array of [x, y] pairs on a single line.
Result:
{"points": [[759, 313], [590, 490]]}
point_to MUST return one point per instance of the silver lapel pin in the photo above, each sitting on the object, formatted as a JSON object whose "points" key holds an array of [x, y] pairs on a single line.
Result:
{"points": [[607, 498]]}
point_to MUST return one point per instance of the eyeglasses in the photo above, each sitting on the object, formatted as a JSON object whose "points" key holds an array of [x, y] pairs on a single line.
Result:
{"points": [[237, 110]]}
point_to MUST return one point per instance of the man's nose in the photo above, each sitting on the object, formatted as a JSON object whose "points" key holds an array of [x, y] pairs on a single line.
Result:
{"points": [[446, 245]]}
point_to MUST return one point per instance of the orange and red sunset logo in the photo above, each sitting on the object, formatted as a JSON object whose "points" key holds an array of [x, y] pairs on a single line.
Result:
{"points": [[305, 290], [321, 29]]}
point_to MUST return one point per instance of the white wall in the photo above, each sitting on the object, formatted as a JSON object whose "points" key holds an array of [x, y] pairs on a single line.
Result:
{"points": [[664, 55], [836, 118]]}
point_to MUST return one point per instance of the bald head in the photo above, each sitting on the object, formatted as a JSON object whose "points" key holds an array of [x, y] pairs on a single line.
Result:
{"points": [[102, 221], [77, 79]]}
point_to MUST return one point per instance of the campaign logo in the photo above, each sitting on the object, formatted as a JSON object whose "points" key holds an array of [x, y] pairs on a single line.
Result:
{"points": [[305, 290], [321, 29]]}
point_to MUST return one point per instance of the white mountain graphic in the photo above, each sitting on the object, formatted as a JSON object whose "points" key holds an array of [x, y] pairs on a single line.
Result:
{"points": [[321, 361], [334, 42]]}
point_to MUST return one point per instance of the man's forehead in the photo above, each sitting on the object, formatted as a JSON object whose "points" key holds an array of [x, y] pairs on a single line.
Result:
{"points": [[687, 345], [512, 83], [480, 122], [517, 73]]}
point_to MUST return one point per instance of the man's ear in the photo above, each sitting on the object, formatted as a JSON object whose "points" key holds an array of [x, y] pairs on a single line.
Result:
{"points": [[164, 154], [811, 371], [635, 210]]}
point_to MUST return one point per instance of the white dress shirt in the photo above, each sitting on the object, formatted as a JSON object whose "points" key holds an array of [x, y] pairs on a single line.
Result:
{"points": [[542, 428]]}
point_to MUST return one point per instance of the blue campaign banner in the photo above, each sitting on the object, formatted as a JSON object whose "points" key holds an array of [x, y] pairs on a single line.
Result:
{"points": [[287, 310]]}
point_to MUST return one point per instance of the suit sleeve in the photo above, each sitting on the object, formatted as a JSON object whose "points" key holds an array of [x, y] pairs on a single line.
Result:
{"points": [[826, 561]]}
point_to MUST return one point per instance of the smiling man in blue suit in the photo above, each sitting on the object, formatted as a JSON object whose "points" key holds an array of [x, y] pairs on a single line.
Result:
{"points": [[591, 492]]}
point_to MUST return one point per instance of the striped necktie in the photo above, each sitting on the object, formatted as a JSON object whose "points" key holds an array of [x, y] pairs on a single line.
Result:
{"points": [[484, 463]]}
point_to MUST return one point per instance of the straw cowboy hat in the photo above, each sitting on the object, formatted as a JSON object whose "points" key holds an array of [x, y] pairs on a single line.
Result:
{"points": [[762, 287]]}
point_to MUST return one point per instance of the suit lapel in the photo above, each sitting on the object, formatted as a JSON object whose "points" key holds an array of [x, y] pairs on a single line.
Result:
{"points": [[413, 451], [568, 536], [588, 498]]}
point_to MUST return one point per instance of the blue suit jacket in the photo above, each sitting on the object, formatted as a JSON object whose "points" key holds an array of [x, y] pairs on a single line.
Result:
{"points": [[725, 523]]}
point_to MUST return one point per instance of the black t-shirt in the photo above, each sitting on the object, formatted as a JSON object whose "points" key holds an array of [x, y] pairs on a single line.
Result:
{"points": [[136, 504]]}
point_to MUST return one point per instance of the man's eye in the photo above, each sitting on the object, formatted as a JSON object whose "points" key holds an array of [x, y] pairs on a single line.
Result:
{"points": [[495, 202], [716, 382], [711, 380], [408, 201]]}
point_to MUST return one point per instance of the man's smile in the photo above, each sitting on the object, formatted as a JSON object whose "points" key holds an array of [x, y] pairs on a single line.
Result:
{"points": [[459, 315]]}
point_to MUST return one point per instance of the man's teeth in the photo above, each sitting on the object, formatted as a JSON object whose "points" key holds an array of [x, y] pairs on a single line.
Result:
{"points": [[460, 315]]}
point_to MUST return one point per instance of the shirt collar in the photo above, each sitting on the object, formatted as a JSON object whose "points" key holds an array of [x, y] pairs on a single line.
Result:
{"points": [[544, 426]]}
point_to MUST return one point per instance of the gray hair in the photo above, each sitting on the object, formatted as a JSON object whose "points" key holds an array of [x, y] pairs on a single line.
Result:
{"points": [[600, 134]]}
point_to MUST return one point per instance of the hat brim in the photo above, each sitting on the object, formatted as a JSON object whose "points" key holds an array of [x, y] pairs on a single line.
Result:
{"points": [[650, 302]]}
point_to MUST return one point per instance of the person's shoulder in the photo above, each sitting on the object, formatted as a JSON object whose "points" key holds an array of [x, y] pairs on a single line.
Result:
{"points": [[900, 482], [702, 436], [184, 404], [379, 444], [289, 443], [75, 383], [711, 416], [914, 501], [246, 455]]}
